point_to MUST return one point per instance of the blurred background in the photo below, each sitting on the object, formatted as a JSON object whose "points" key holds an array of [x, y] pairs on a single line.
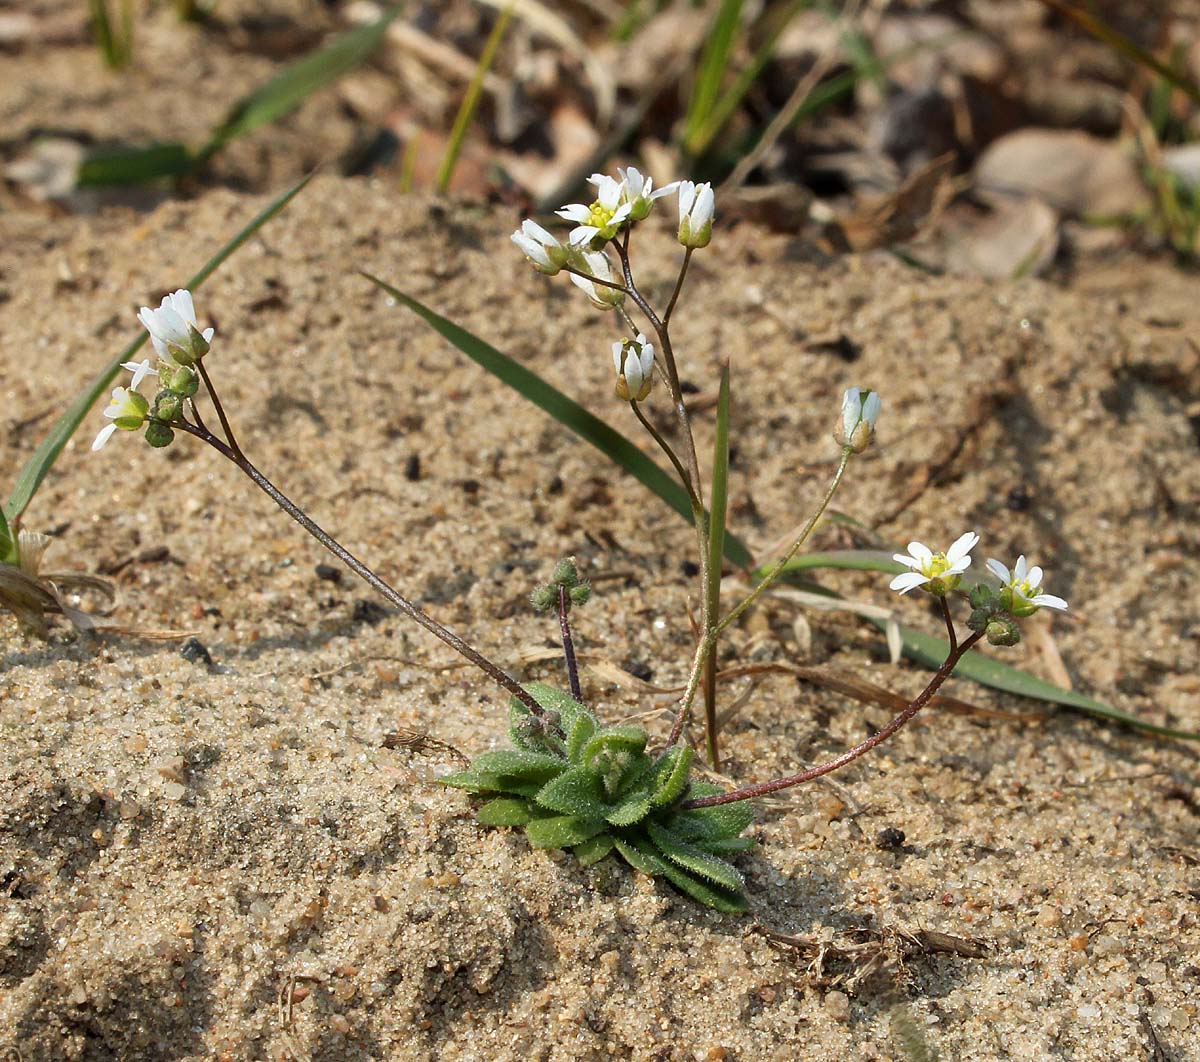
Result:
{"points": [[1003, 139]]}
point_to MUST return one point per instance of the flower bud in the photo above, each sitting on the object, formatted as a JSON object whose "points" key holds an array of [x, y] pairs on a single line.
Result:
{"points": [[1002, 631], [159, 434], [544, 598], [167, 405], [181, 379], [696, 207], [634, 362], [856, 427], [580, 594], [565, 573]]}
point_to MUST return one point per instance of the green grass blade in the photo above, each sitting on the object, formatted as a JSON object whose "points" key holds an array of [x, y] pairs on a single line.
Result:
{"points": [[43, 458], [857, 560], [285, 92], [932, 651], [712, 68], [134, 165], [470, 103], [722, 110], [8, 544], [610, 442]]}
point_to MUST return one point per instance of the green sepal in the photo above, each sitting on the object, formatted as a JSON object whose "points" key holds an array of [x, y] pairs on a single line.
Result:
{"points": [[670, 775], [642, 856], [579, 734], [614, 739], [576, 791], [519, 764], [632, 809], [693, 858], [593, 851], [562, 831], [504, 811]]}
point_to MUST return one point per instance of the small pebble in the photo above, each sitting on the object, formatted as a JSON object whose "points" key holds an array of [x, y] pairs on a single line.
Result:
{"points": [[830, 807], [837, 1006], [174, 791], [173, 768], [890, 839]]}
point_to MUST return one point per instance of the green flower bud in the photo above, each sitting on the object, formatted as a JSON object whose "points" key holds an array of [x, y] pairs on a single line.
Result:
{"points": [[980, 618], [1002, 631], [159, 434], [980, 596], [566, 573], [167, 405], [179, 378], [579, 594], [543, 598]]}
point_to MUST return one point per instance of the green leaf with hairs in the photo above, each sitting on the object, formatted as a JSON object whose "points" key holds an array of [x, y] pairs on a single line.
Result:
{"points": [[579, 734], [480, 782], [593, 851], [562, 831], [569, 413], [504, 811], [614, 739], [715, 823], [642, 856], [632, 809], [671, 775], [694, 859], [576, 791], [520, 765], [43, 458]]}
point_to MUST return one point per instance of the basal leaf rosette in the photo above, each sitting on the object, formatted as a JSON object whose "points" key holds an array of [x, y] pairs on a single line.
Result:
{"points": [[572, 783]]}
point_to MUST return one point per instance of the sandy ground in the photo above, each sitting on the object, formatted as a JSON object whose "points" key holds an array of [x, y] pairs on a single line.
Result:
{"points": [[181, 846]]}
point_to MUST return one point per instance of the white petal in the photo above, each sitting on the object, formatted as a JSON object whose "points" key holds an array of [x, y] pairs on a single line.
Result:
{"points": [[181, 303], [583, 234], [962, 546], [575, 212], [1034, 579], [958, 567], [871, 408], [920, 551], [906, 581], [687, 196], [1019, 569], [1050, 601], [532, 228], [705, 202], [617, 350], [904, 558], [666, 189], [103, 437], [997, 569]]}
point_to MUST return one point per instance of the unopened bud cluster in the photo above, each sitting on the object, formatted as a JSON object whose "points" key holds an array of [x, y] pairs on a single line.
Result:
{"points": [[565, 576]]}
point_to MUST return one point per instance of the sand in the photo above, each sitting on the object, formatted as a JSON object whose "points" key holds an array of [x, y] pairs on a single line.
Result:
{"points": [[238, 862]]}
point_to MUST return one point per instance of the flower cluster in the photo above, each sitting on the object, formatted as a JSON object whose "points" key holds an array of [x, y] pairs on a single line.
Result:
{"points": [[994, 611], [179, 343]]}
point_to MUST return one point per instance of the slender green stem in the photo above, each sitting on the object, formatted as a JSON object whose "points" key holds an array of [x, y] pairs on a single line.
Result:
{"points": [[687, 257], [763, 788], [775, 572], [408, 608], [665, 446]]}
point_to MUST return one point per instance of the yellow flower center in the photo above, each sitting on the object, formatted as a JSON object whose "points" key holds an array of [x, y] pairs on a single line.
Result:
{"points": [[935, 566], [600, 216]]}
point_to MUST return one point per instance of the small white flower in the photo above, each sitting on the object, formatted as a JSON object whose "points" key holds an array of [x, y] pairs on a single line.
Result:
{"points": [[938, 573], [860, 411], [1019, 592], [598, 223], [634, 361], [542, 248], [177, 338], [596, 264], [127, 410], [140, 369], [640, 192], [696, 207]]}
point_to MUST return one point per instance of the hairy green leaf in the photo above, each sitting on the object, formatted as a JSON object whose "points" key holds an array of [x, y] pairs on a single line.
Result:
{"points": [[520, 765], [43, 458], [480, 782], [576, 791], [593, 851], [633, 808], [614, 739], [693, 858], [562, 831], [727, 845], [642, 856], [712, 824], [504, 811], [580, 734], [671, 774]]}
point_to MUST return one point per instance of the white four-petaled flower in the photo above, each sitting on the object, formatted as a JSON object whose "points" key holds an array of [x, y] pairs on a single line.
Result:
{"points": [[938, 573], [634, 361], [542, 248], [696, 207], [1019, 592], [176, 336], [127, 410], [600, 221], [640, 192]]}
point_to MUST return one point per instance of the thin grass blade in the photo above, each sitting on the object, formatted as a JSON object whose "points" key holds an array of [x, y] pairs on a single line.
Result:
{"points": [[466, 113], [713, 64], [8, 543], [285, 92], [134, 165], [43, 458], [610, 442]]}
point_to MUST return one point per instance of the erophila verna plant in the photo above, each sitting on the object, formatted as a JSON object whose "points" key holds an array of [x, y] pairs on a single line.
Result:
{"points": [[568, 779]]}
